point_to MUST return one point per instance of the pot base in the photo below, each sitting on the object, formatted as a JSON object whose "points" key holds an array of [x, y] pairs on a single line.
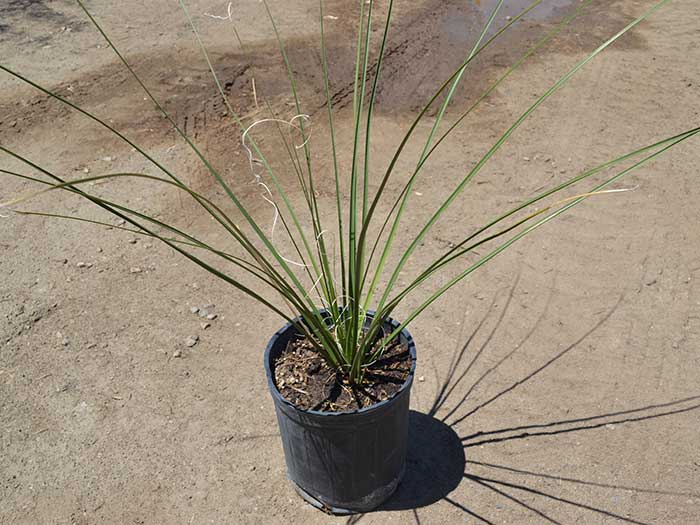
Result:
{"points": [[371, 502]]}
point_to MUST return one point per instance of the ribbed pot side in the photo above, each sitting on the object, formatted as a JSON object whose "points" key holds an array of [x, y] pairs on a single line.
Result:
{"points": [[343, 462]]}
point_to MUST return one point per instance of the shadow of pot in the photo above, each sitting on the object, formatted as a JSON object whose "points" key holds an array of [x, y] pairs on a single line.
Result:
{"points": [[435, 464]]}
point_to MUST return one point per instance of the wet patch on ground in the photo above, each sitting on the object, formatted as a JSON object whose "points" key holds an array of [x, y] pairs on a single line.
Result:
{"points": [[412, 70], [21, 16], [28, 8], [544, 11], [424, 48]]}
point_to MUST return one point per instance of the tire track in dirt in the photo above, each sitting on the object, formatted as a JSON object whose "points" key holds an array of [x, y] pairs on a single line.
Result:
{"points": [[413, 69]]}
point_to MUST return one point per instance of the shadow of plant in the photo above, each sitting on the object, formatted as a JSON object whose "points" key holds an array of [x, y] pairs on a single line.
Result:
{"points": [[436, 463]]}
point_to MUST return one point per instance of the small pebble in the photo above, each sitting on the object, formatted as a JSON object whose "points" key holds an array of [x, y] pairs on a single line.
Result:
{"points": [[194, 310], [99, 250], [421, 378], [191, 341], [81, 265], [211, 317], [135, 269], [526, 159], [203, 313], [133, 241], [205, 325], [177, 353]]}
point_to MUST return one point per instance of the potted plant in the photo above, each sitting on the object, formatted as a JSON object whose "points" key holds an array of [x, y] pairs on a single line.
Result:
{"points": [[341, 369]]}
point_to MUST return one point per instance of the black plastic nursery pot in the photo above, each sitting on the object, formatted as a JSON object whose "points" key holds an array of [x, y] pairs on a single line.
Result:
{"points": [[343, 462]]}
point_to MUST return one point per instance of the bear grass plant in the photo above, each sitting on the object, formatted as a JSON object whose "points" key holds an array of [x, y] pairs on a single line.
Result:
{"points": [[338, 289]]}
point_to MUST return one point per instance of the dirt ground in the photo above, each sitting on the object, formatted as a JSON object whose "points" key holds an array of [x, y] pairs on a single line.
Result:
{"points": [[569, 366]]}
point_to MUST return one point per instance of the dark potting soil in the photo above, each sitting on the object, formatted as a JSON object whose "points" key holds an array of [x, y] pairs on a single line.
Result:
{"points": [[304, 378]]}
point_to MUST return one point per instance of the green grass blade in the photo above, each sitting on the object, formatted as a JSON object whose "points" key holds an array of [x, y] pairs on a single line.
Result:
{"points": [[319, 335], [422, 113], [458, 250], [327, 282], [362, 268], [406, 194], [533, 227], [279, 188], [358, 315], [104, 124], [460, 187], [370, 107], [172, 245], [232, 196], [242, 263], [428, 105], [352, 311], [336, 174], [231, 227], [401, 197], [71, 186], [254, 144]]}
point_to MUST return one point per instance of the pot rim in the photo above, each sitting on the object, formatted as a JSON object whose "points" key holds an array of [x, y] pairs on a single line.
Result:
{"points": [[280, 399]]}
